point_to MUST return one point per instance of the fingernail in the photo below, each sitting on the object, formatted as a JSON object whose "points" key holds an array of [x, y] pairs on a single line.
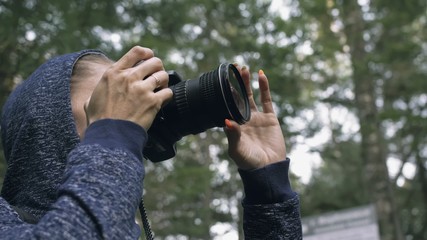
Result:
{"points": [[261, 72], [244, 68], [228, 124], [235, 64]]}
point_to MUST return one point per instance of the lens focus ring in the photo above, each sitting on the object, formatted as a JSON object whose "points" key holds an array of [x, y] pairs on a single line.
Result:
{"points": [[212, 98], [208, 88], [181, 102]]}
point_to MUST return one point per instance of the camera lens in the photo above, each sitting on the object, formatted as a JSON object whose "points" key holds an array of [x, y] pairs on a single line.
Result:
{"points": [[197, 105], [205, 102]]}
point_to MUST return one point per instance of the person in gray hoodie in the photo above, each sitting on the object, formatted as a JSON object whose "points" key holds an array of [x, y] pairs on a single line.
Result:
{"points": [[73, 136]]}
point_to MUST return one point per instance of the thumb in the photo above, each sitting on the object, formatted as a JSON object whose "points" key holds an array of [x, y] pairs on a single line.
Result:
{"points": [[233, 132]]}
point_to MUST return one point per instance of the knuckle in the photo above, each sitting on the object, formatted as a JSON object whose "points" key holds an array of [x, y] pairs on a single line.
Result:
{"points": [[137, 49], [146, 52], [170, 93], [109, 74], [155, 104], [131, 75], [157, 62], [163, 75], [158, 106], [149, 52]]}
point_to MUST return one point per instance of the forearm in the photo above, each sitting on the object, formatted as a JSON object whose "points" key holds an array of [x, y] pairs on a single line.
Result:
{"points": [[100, 193], [273, 221], [271, 208]]}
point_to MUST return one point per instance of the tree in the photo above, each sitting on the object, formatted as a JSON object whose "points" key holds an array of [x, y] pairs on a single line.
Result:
{"points": [[366, 58], [385, 74], [372, 151], [192, 37]]}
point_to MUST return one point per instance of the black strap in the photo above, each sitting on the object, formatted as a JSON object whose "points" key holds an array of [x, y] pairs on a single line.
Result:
{"points": [[145, 223], [25, 216]]}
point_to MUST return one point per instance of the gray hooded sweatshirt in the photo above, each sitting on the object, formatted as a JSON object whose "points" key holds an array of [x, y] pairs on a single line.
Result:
{"points": [[58, 187]]}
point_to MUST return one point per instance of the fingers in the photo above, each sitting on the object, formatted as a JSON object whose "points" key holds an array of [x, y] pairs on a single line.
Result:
{"points": [[246, 80], [137, 64], [158, 80], [133, 56], [267, 104], [165, 95], [157, 83], [266, 101], [131, 91], [233, 133], [145, 69]]}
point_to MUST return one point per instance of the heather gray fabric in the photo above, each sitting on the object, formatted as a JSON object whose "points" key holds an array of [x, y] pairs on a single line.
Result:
{"points": [[38, 132], [279, 221], [87, 190], [270, 206]]}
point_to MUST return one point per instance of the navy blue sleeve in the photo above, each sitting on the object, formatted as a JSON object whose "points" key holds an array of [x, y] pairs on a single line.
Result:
{"points": [[100, 192], [270, 207], [267, 185], [111, 133]]}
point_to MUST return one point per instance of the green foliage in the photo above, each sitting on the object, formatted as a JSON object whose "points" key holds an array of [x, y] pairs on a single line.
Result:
{"points": [[310, 61], [338, 182], [385, 46]]}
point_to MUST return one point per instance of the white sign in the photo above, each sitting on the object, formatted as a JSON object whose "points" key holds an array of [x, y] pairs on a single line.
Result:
{"points": [[358, 223]]}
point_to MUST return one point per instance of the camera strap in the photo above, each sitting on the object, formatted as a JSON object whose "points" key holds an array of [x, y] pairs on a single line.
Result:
{"points": [[145, 223]]}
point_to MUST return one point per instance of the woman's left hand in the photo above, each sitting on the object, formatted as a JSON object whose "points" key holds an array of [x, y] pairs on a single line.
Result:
{"points": [[260, 141]]}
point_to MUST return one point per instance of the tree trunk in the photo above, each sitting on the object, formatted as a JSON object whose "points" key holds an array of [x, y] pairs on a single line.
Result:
{"points": [[376, 172]]}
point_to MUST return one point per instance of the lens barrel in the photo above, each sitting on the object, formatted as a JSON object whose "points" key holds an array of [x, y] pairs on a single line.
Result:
{"points": [[197, 105]]}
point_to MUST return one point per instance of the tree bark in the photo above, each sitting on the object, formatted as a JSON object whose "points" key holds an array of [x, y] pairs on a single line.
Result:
{"points": [[372, 150]]}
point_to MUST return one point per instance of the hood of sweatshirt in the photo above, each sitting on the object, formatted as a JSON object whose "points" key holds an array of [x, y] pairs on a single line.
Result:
{"points": [[38, 131]]}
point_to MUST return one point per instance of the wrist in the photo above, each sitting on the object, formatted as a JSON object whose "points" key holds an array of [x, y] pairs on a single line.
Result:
{"points": [[266, 185], [111, 133], [249, 165]]}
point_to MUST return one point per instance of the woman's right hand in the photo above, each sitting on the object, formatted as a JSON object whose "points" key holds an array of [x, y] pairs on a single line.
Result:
{"points": [[134, 89]]}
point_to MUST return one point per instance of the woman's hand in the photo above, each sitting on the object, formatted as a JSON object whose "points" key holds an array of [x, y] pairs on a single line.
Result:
{"points": [[260, 141], [134, 89]]}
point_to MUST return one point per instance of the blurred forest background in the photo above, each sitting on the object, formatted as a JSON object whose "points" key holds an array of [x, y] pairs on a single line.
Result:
{"points": [[349, 79]]}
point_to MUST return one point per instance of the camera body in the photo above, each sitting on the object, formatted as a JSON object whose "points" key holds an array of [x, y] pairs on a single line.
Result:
{"points": [[162, 138], [197, 105]]}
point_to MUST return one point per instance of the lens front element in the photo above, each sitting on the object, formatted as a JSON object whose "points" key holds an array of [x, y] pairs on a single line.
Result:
{"points": [[234, 93]]}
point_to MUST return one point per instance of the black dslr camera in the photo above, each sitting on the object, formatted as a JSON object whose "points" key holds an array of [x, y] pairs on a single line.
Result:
{"points": [[197, 105]]}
